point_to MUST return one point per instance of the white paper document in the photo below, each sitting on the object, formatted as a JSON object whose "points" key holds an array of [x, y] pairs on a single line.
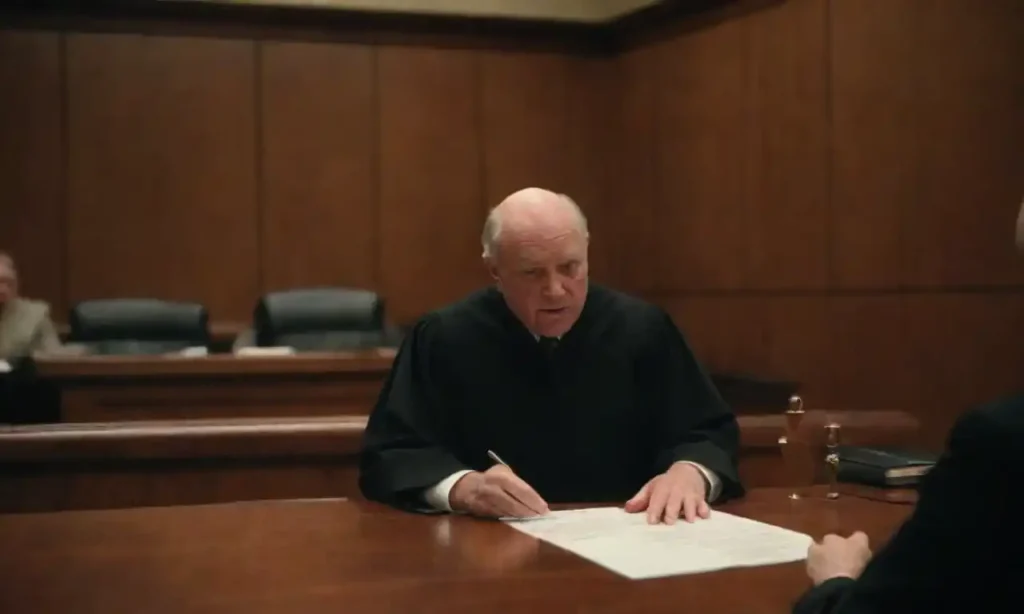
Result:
{"points": [[624, 543]]}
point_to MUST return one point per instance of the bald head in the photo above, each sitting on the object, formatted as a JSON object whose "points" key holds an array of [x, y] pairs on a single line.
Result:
{"points": [[535, 246], [531, 212]]}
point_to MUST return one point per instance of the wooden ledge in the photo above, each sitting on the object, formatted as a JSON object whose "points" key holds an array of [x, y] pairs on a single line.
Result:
{"points": [[857, 427], [377, 362], [342, 436], [183, 439]]}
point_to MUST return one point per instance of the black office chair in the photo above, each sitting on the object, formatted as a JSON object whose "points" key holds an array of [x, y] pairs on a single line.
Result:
{"points": [[321, 319], [138, 326]]}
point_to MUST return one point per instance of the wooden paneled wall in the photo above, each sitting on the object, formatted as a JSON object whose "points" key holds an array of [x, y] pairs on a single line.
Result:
{"points": [[826, 190], [215, 169], [823, 190]]}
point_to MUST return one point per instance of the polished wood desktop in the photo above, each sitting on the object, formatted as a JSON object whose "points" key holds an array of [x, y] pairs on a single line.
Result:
{"points": [[147, 463], [115, 388], [351, 556]]}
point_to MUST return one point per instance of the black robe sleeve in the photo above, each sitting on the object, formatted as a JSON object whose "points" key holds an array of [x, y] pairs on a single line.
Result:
{"points": [[691, 420], [952, 553], [408, 437]]}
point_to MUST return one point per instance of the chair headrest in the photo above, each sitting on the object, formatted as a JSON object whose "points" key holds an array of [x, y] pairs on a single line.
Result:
{"points": [[317, 310], [139, 319]]}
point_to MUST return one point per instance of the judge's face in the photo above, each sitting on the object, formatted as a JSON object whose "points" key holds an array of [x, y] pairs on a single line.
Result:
{"points": [[543, 277], [8, 281]]}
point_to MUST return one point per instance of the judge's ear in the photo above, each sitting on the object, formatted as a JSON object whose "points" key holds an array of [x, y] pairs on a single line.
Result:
{"points": [[492, 267]]}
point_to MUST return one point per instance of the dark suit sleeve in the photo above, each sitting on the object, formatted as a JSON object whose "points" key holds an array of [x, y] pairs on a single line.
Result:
{"points": [[948, 548], [691, 420], [406, 446]]}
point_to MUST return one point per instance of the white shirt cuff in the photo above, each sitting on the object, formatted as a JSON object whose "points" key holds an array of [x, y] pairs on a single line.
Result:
{"points": [[714, 484], [437, 495]]}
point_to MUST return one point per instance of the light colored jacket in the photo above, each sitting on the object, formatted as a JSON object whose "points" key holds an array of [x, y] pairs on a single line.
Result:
{"points": [[26, 328]]}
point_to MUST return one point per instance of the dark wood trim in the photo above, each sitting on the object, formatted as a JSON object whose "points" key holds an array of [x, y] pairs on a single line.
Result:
{"points": [[670, 18], [178, 17], [311, 24], [371, 364]]}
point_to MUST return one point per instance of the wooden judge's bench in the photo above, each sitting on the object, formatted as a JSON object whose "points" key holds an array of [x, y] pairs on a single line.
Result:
{"points": [[116, 388], [144, 431]]}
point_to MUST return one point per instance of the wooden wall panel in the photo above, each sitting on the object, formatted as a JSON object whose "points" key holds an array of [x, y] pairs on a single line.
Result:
{"points": [[319, 169], [778, 337], [591, 101], [834, 197], [787, 209], [963, 349], [162, 170], [928, 128], [701, 240], [725, 332], [970, 77], [32, 162], [215, 169], [633, 137], [431, 192], [869, 356], [875, 143], [524, 122]]}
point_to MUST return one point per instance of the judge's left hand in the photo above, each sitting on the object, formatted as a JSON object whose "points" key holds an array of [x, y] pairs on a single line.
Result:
{"points": [[681, 489]]}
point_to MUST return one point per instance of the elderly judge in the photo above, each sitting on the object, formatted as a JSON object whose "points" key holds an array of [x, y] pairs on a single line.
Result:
{"points": [[544, 388]]}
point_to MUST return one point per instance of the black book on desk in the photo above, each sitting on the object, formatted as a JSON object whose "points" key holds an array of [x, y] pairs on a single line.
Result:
{"points": [[883, 467]]}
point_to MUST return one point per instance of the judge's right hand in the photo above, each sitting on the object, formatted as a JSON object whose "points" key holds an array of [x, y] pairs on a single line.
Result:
{"points": [[496, 493]]}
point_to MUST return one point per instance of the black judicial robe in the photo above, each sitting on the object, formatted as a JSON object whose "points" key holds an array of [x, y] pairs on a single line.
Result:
{"points": [[620, 399], [960, 551]]}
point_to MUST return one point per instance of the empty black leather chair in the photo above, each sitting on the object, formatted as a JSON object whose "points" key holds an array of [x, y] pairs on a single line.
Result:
{"points": [[321, 319], [138, 326]]}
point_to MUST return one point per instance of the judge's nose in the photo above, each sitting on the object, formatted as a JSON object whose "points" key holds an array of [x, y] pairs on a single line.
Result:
{"points": [[553, 288]]}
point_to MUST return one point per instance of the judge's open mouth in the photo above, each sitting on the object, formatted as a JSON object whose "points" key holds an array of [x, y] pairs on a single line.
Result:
{"points": [[554, 311]]}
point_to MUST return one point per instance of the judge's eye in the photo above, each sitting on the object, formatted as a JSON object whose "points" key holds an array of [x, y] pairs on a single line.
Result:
{"points": [[569, 268], [533, 272]]}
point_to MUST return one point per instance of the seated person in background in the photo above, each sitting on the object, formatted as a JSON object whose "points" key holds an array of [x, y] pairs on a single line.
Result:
{"points": [[25, 325], [588, 394], [961, 548]]}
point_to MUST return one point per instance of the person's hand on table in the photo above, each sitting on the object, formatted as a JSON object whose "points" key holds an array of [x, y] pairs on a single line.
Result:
{"points": [[495, 493], [838, 557], [679, 491]]}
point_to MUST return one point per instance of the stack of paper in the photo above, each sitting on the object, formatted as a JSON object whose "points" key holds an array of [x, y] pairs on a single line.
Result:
{"points": [[628, 545]]}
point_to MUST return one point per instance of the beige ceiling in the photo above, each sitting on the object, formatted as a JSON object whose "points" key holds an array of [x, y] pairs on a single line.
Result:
{"points": [[590, 11]]}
